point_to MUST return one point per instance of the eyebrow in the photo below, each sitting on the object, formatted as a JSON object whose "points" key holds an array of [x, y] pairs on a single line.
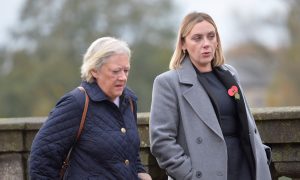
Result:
{"points": [[206, 33], [120, 67], [210, 32]]}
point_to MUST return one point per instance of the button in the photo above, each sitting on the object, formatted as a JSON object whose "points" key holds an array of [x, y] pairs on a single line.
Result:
{"points": [[199, 140], [123, 130], [219, 173], [198, 174], [255, 131], [126, 162]]}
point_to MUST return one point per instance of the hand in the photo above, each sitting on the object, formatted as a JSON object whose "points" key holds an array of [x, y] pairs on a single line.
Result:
{"points": [[144, 176]]}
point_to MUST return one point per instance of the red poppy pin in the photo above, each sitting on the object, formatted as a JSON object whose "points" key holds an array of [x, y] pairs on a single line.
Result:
{"points": [[234, 91]]}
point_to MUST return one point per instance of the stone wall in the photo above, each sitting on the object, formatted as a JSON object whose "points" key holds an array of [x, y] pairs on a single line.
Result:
{"points": [[279, 128]]}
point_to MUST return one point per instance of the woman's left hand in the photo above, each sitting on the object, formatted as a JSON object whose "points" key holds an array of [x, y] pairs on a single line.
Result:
{"points": [[144, 176]]}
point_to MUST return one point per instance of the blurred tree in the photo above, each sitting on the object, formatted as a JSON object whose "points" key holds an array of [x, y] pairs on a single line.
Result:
{"points": [[253, 57], [52, 36], [256, 65], [285, 90], [277, 67]]}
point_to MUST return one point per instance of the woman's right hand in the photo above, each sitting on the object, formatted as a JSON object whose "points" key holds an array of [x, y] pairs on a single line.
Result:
{"points": [[144, 176]]}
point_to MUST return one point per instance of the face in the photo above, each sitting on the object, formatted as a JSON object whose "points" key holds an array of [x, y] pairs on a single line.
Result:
{"points": [[201, 44], [112, 76]]}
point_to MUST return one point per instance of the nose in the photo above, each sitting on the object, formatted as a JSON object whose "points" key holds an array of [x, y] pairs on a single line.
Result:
{"points": [[205, 42], [122, 76]]}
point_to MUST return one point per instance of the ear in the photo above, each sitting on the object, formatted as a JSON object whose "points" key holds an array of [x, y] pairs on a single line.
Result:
{"points": [[183, 46], [94, 73]]}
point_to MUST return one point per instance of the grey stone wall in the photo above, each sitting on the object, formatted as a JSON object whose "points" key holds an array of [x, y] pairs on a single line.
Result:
{"points": [[279, 128]]}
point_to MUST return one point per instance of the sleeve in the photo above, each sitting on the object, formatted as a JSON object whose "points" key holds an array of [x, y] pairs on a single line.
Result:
{"points": [[268, 153], [140, 167], [54, 139], [164, 121]]}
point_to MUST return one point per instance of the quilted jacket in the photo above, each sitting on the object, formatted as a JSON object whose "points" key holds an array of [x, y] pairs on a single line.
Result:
{"points": [[108, 147]]}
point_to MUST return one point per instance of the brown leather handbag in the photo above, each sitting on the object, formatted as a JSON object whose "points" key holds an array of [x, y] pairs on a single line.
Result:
{"points": [[82, 121]]}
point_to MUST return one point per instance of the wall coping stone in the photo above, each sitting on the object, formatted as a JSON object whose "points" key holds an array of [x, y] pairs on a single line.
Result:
{"points": [[273, 113]]}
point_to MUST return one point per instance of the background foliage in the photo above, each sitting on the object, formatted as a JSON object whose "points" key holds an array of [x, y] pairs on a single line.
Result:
{"points": [[53, 36], [285, 89], [44, 58]]}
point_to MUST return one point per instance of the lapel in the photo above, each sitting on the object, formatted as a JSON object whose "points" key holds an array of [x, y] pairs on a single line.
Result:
{"points": [[226, 77], [197, 97], [206, 86], [228, 80]]}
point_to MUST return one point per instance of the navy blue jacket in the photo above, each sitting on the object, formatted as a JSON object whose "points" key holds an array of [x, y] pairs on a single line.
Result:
{"points": [[103, 151]]}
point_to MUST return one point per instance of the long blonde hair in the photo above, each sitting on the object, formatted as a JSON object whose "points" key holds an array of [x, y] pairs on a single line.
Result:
{"points": [[186, 26]]}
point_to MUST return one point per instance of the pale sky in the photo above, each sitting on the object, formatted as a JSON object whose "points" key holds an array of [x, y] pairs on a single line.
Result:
{"points": [[250, 11], [9, 15], [223, 12]]}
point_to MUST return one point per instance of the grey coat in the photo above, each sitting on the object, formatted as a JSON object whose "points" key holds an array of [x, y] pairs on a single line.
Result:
{"points": [[185, 135]]}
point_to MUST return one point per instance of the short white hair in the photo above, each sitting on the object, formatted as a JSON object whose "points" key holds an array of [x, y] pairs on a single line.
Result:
{"points": [[98, 52]]}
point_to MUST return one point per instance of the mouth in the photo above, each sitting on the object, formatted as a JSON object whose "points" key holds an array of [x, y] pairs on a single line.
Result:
{"points": [[119, 86], [206, 54]]}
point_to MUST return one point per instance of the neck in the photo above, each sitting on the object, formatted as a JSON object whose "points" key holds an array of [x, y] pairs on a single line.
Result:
{"points": [[205, 68], [116, 101]]}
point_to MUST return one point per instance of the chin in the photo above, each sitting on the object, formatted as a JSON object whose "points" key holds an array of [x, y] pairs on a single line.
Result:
{"points": [[118, 94]]}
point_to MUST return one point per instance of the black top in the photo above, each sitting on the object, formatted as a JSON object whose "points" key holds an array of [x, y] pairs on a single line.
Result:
{"points": [[226, 110], [225, 103]]}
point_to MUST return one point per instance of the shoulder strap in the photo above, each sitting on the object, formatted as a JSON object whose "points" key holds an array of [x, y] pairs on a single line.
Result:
{"points": [[131, 105], [86, 104], [82, 121], [132, 108]]}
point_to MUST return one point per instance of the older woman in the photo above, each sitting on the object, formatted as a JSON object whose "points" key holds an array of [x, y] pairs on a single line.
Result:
{"points": [[201, 126], [108, 147]]}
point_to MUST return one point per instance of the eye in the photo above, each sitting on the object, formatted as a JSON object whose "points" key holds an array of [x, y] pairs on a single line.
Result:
{"points": [[197, 37], [116, 71], [126, 70], [211, 35]]}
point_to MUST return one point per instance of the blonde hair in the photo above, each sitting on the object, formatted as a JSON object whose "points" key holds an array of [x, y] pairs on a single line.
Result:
{"points": [[186, 26], [98, 52]]}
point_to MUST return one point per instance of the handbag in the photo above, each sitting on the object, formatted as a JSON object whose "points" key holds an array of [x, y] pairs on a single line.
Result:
{"points": [[82, 121]]}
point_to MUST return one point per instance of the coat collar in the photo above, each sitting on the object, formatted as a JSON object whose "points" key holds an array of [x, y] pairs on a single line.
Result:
{"points": [[186, 72], [226, 77], [96, 94]]}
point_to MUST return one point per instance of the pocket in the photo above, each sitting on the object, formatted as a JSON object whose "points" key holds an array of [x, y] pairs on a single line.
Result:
{"points": [[268, 154]]}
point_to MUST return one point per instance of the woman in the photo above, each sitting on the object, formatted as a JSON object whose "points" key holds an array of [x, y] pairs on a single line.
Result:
{"points": [[200, 123], [108, 147]]}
